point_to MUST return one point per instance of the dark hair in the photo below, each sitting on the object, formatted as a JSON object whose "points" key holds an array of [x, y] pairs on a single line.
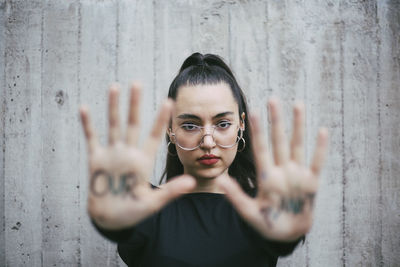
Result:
{"points": [[211, 69]]}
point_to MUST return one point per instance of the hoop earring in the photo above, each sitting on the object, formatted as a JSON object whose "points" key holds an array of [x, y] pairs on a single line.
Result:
{"points": [[169, 153], [244, 145]]}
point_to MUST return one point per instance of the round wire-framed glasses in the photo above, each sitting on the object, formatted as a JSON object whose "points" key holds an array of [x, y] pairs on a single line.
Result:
{"points": [[189, 136]]}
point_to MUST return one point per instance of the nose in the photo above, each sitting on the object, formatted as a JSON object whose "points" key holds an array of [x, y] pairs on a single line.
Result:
{"points": [[208, 138], [208, 141]]}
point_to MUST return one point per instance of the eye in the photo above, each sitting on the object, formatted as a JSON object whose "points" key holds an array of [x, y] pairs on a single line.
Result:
{"points": [[190, 127], [224, 124]]}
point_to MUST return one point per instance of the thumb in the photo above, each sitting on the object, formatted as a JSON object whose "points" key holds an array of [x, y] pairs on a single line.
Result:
{"points": [[176, 187], [244, 204]]}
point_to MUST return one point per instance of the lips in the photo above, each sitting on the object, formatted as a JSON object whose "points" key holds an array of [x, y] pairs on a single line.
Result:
{"points": [[208, 159]]}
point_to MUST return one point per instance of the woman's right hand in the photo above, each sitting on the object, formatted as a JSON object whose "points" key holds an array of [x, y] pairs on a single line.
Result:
{"points": [[119, 190]]}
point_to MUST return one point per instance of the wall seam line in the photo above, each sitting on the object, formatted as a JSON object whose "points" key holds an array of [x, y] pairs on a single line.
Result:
{"points": [[41, 123], [78, 77], [379, 109], [154, 55], [344, 180], [116, 42], [3, 122]]}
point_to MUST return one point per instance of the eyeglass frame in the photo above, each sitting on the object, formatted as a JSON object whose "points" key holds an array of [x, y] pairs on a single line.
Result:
{"points": [[240, 136]]}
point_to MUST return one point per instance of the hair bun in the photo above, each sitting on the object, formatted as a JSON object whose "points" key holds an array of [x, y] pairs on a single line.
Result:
{"points": [[196, 59], [207, 60]]}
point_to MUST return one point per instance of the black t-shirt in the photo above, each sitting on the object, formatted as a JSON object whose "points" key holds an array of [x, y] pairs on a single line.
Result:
{"points": [[198, 229]]}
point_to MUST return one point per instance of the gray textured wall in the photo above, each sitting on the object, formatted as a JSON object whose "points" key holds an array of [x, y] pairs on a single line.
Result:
{"points": [[341, 57]]}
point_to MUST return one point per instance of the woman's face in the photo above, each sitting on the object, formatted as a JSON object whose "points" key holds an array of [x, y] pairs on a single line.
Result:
{"points": [[209, 106]]}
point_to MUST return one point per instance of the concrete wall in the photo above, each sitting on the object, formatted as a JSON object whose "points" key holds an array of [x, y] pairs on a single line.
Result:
{"points": [[341, 57]]}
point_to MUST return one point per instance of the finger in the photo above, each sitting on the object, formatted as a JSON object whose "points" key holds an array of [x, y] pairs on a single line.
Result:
{"points": [[152, 143], [279, 142], [245, 205], [90, 135], [262, 160], [320, 151], [114, 124], [171, 190], [297, 142], [133, 130]]}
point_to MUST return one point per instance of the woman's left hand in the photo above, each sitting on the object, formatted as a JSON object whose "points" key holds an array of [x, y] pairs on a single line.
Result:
{"points": [[283, 207]]}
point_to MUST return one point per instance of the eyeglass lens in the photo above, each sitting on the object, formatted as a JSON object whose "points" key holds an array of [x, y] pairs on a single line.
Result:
{"points": [[192, 137]]}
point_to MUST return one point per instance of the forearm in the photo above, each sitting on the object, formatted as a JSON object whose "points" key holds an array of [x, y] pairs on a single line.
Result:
{"points": [[118, 236]]}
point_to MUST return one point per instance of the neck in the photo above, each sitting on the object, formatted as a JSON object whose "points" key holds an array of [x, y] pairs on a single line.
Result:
{"points": [[208, 184]]}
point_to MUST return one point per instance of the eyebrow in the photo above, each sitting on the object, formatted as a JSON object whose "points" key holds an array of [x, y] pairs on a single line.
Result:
{"points": [[194, 117]]}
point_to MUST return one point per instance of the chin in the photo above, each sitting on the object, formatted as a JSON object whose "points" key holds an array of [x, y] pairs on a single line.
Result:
{"points": [[208, 173]]}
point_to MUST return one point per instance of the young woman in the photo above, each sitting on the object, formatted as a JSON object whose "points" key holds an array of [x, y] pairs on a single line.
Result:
{"points": [[226, 202]]}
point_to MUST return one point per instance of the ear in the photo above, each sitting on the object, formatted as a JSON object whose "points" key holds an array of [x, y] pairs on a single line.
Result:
{"points": [[170, 135], [242, 124]]}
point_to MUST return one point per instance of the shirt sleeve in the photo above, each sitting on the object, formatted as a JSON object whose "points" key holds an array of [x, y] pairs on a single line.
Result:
{"points": [[131, 241], [273, 247], [115, 235]]}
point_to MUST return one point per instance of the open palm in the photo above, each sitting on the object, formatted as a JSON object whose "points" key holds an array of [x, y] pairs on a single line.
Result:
{"points": [[119, 192], [283, 207]]}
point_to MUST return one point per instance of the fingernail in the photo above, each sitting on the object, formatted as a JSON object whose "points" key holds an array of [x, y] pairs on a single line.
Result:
{"points": [[136, 84]]}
